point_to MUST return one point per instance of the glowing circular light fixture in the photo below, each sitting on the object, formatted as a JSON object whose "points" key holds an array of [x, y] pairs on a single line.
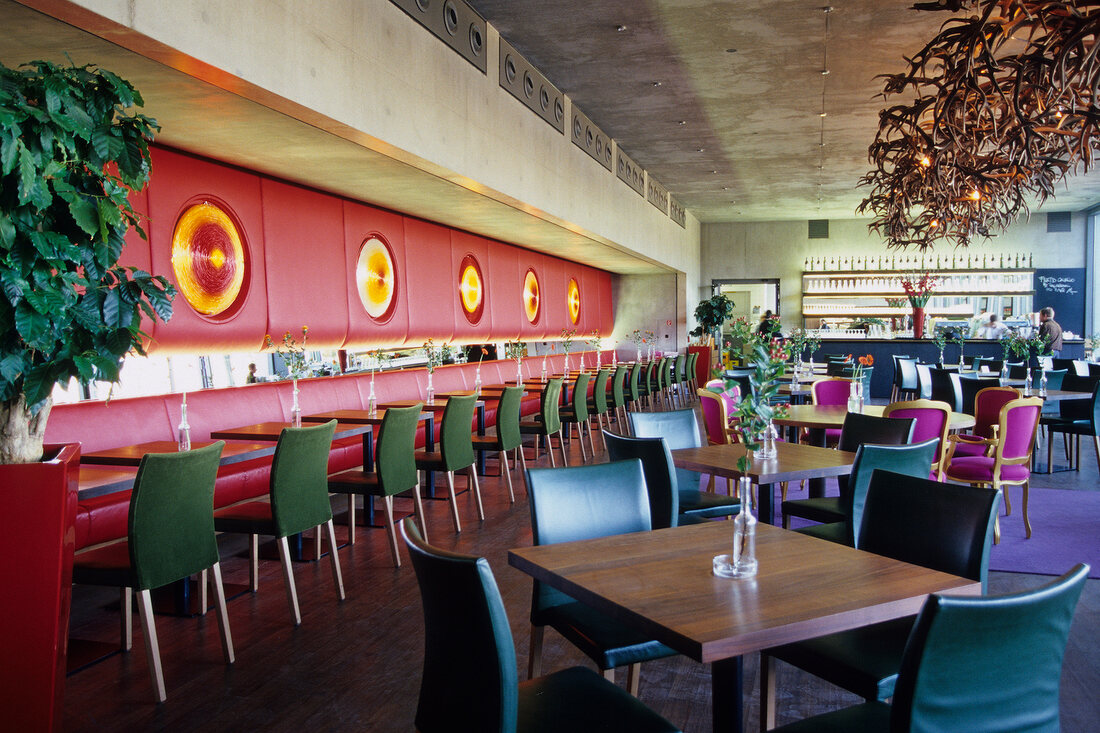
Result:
{"points": [[208, 259], [531, 300], [376, 279], [573, 297], [471, 289]]}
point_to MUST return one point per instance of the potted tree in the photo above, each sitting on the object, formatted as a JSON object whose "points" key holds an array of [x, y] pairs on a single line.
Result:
{"points": [[710, 314], [72, 147]]}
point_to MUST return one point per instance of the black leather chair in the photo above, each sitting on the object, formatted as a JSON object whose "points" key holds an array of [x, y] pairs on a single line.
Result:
{"points": [[909, 460], [669, 505], [970, 386], [856, 430], [470, 683], [579, 503], [1077, 418], [945, 387], [946, 527], [988, 663]]}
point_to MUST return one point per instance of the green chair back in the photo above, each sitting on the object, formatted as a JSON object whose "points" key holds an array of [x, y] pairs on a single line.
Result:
{"points": [[508, 409], [299, 478], [581, 503], [910, 460], [580, 396], [395, 451], [171, 522], [662, 373], [693, 363], [456, 443], [650, 384], [548, 407], [989, 663], [635, 382], [681, 369], [618, 384], [599, 391], [467, 631], [946, 527]]}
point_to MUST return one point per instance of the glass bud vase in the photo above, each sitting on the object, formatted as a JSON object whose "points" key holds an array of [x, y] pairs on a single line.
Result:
{"points": [[477, 382], [183, 433], [1027, 383], [1004, 369], [639, 353], [567, 365], [940, 362], [372, 401], [1043, 383], [767, 440], [544, 368], [295, 408], [855, 396], [519, 373], [431, 390], [962, 362], [743, 559]]}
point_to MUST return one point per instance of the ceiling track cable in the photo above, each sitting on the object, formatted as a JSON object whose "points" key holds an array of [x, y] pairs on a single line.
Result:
{"points": [[827, 11]]}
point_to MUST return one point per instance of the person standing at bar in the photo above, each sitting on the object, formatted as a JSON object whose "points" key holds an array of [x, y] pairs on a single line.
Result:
{"points": [[1051, 331]]}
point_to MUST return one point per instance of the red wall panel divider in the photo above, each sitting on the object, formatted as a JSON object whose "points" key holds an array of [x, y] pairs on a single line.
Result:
{"points": [[304, 256], [362, 223]]}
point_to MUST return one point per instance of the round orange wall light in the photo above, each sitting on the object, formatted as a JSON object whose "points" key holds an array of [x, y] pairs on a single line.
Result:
{"points": [[471, 289], [573, 297], [531, 299], [208, 259], [376, 279]]}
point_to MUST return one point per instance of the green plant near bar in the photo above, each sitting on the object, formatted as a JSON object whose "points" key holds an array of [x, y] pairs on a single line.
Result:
{"points": [[71, 151], [711, 313]]}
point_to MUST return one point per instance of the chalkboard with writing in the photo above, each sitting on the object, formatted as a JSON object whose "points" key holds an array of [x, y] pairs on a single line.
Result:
{"points": [[1063, 289]]}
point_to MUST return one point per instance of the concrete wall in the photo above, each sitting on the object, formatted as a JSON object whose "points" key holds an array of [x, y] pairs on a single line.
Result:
{"points": [[780, 248]]}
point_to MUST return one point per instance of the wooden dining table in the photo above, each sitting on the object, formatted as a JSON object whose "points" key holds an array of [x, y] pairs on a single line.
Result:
{"points": [[793, 462], [662, 584]]}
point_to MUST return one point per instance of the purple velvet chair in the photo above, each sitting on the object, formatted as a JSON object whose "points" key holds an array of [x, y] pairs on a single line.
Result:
{"points": [[987, 412], [831, 391], [1010, 464], [932, 419]]}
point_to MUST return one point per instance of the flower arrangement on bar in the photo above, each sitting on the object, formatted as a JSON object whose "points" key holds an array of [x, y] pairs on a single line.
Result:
{"points": [[960, 339], [856, 392], [918, 292], [798, 342], [651, 339], [294, 356], [639, 341], [939, 338]]}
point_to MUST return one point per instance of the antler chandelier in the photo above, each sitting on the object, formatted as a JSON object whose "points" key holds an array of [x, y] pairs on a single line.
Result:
{"points": [[1005, 104]]}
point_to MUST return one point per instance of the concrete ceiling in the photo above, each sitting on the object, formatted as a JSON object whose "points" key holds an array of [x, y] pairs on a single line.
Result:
{"points": [[719, 101], [734, 128]]}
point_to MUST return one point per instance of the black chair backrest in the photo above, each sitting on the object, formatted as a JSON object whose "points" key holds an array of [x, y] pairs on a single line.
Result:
{"points": [[660, 474], [924, 381], [910, 460], [908, 369], [944, 388], [988, 663], [1060, 363], [945, 527], [469, 681], [859, 429]]}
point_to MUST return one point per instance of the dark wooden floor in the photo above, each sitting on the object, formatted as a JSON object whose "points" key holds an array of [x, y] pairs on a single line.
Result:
{"points": [[356, 665]]}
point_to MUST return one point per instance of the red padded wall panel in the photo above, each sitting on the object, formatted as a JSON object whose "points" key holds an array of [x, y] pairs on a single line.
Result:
{"points": [[555, 314], [607, 304], [391, 326], [179, 181], [506, 282], [590, 301], [529, 260], [429, 282], [468, 250], [304, 255]]}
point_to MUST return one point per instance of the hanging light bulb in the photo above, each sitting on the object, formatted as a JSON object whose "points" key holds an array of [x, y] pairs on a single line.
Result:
{"points": [[975, 194], [926, 161]]}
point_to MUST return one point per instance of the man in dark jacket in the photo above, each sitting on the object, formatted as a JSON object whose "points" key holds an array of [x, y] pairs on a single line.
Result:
{"points": [[1051, 331]]}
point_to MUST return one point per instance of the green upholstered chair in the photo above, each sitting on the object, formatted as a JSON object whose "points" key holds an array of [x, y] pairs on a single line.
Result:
{"points": [[856, 430], [989, 663], [170, 536], [635, 387], [394, 473], [663, 375], [507, 436], [650, 390], [669, 505], [298, 501], [903, 459], [619, 396], [548, 421], [470, 683], [598, 406], [679, 379], [456, 452], [692, 367], [578, 503], [945, 527], [576, 413]]}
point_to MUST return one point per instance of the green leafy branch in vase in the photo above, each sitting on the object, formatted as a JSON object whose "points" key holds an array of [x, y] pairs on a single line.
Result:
{"points": [[434, 355], [292, 353], [755, 411], [567, 336]]}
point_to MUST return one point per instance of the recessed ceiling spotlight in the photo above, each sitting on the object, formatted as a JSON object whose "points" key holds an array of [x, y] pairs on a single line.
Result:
{"points": [[731, 50], [700, 150], [656, 83], [725, 188], [682, 122], [823, 114], [824, 72], [620, 28]]}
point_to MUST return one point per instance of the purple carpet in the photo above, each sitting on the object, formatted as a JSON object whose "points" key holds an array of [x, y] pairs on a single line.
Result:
{"points": [[1065, 528]]}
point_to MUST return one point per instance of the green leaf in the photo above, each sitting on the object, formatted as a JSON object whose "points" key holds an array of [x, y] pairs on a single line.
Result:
{"points": [[107, 367], [85, 214], [9, 151], [28, 173], [33, 326], [7, 231], [119, 341], [112, 304], [11, 366], [37, 384], [84, 368]]}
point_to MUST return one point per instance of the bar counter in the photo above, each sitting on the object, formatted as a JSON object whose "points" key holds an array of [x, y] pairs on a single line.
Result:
{"points": [[882, 350]]}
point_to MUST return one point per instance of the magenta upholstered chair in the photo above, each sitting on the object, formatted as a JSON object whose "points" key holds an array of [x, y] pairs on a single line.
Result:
{"points": [[931, 420], [1010, 464], [831, 391], [987, 413]]}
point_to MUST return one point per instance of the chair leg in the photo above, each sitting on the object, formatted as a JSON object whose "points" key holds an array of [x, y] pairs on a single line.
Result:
{"points": [[550, 450], [126, 609], [288, 572], [317, 542], [337, 577], [152, 647], [204, 600], [767, 692], [534, 654], [580, 440], [472, 470], [1096, 445], [523, 469], [391, 530], [1027, 522], [507, 475], [453, 500], [351, 517], [253, 562], [418, 502], [222, 613], [561, 444], [608, 674], [591, 441], [633, 678]]}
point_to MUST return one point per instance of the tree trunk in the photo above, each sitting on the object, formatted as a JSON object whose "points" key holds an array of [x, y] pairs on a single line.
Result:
{"points": [[21, 433]]}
